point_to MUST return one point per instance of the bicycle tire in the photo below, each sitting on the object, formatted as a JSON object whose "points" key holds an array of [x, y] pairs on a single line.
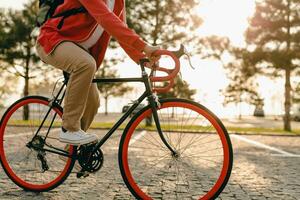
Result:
{"points": [[16, 126], [140, 145]]}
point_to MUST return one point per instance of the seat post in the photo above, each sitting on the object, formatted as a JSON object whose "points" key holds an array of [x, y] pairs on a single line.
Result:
{"points": [[66, 76]]}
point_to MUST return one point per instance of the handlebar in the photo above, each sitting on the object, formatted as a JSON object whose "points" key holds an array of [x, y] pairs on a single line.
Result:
{"points": [[171, 73]]}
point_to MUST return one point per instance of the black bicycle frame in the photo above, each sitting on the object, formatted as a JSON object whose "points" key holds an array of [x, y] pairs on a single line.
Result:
{"points": [[147, 94]]}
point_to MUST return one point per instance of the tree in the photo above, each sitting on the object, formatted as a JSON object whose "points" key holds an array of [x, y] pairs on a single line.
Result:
{"points": [[44, 85], [242, 90], [17, 45], [274, 35], [6, 87], [296, 95], [108, 90], [181, 89], [242, 76], [163, 21], [296, 90], [240, 71], [213, 47]]}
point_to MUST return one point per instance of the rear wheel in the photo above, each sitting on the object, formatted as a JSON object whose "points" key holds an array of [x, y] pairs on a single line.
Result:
{"points": [[201, 167], [22, 157]]}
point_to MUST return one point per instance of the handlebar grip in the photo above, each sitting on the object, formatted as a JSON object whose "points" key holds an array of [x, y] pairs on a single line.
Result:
{"points": [[171, 72]]}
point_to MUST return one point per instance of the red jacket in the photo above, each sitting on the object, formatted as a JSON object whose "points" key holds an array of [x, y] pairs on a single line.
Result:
{"points": [[79, 27]]}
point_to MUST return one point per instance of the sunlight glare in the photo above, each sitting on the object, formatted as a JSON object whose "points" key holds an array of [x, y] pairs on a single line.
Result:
{"points": [[16, 4], [225, 18]]}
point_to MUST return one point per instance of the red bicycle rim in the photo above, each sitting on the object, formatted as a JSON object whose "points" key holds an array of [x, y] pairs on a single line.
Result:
{"points": [[204, 113], [3, 156]]}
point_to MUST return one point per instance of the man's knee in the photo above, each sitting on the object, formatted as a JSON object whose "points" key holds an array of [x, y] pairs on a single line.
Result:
{"points": [[87, 66], [97, 100], [90, 66]]}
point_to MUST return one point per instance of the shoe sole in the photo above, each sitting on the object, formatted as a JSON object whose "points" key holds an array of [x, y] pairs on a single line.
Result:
{"points": [[77, 143]]}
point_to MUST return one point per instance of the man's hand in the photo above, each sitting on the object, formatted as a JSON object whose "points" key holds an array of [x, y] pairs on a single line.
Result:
{"points": [[149, 50]]}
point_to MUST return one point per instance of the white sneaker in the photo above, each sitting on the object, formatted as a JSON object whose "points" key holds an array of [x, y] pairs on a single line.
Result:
{"points": [[77, 137]]}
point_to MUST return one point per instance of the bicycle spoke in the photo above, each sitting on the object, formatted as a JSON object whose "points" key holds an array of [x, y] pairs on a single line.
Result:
{"points": [[209, 150], [144, 148], [158, 141], [182, 130], [165, 133], [201, 144], [194, 140], [180, 134], [151, 143], [151, 166]]}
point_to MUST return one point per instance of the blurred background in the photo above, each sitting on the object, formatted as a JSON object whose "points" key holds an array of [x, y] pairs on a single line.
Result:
{"points": [[246, 56]]}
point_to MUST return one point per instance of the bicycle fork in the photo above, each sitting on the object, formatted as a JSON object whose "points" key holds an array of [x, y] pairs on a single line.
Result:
{"points": [[154, 103]]}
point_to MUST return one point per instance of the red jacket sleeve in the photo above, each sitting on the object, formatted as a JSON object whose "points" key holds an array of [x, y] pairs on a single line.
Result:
{"points": [[134, 54], [113, 25]]}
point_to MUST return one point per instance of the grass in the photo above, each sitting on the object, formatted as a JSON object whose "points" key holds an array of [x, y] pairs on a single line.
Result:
{"points": [[32, 123], [262, 131], [239, 130]]}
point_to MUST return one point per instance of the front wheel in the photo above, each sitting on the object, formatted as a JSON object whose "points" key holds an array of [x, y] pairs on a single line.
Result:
{"points": [[202, 165]]}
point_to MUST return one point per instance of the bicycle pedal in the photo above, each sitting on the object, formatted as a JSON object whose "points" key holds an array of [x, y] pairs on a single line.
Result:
{"points": [[82, 174]]}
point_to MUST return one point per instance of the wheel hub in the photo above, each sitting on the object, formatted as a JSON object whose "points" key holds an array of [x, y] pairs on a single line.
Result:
{"points": [[176, 155], [37, 143]]}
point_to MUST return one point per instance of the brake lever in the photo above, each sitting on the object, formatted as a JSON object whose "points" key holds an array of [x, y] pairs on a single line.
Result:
{"points": [[183, 51], [188, 55]]}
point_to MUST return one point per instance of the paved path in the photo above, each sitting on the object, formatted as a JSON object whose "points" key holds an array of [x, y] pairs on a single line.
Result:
{"points": [[265, 167]]}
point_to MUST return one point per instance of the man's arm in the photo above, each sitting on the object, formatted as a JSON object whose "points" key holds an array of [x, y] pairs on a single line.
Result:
{"points": [[113, 25]]}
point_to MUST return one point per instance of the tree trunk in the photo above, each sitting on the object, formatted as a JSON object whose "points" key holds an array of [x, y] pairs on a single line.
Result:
{"points": [[287, 103], [173, 113], [240, 110], [26, 108], [156, 30], [238, 105], [26, 88], [106, 105], [149, 121]]}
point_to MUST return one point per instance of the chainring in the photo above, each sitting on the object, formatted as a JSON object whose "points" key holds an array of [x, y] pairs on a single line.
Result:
{"points": [[89, 161]]}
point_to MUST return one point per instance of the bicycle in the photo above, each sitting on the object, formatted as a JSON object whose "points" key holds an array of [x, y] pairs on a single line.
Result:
{"points": [[186, 152]]}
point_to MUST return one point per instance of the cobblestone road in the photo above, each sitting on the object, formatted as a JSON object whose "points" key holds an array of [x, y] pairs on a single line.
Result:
{"points": [[265, 167]]}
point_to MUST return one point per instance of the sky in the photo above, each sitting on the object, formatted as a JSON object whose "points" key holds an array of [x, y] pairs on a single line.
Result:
{"points": [[224, 18], [17, 4]]}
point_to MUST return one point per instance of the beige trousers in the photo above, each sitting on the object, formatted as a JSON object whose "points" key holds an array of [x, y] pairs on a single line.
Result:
{"points": [[82, 97]]}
